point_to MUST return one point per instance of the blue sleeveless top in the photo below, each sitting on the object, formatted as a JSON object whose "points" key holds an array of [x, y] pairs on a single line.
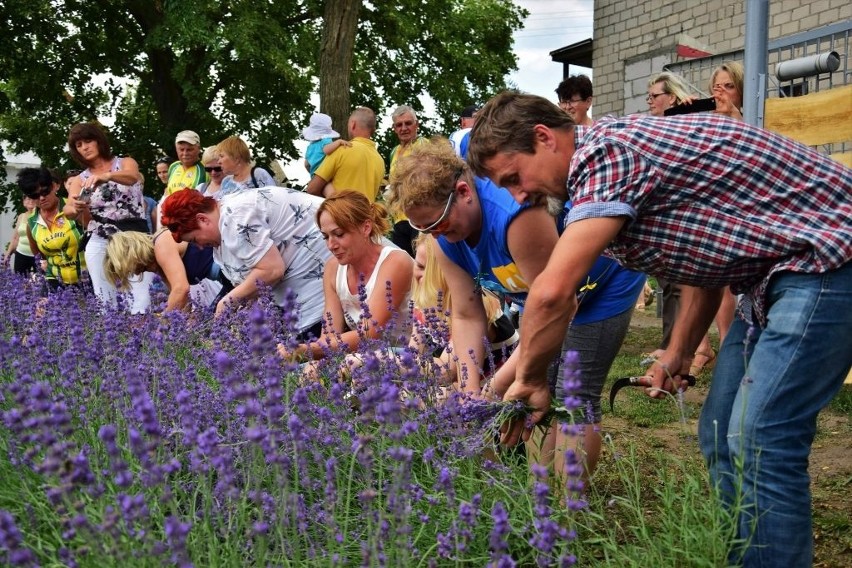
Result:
{"points": [[198, 263], [489, 262], [608, 290]]}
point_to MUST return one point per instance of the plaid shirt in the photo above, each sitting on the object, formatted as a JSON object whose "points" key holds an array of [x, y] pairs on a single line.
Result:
{"points": [[712, 201]]}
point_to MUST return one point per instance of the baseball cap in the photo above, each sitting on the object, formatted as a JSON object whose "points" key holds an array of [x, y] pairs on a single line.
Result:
{"points": [[189, 137], [469, 111], [319, 128]]}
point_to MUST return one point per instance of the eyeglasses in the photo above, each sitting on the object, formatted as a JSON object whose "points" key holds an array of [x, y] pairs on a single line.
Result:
{"points": [[440, 222], [408, 123], [725, 86], [570, 102], [653, 96], [216, 169]]}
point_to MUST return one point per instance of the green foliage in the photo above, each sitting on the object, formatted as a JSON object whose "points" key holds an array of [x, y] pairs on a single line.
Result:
{"points": [[246, 67]]}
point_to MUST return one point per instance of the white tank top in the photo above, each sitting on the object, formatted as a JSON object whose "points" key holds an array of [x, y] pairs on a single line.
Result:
{"points": [[352, 304]]}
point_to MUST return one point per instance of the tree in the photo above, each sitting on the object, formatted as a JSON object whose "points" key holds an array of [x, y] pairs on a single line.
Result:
{"points": [[245, 67]]}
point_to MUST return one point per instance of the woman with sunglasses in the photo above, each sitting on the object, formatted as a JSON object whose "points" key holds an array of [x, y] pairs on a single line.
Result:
{"points": [[487, 240], [109, 193], [49, 231], [210, 161], [353, 230]]}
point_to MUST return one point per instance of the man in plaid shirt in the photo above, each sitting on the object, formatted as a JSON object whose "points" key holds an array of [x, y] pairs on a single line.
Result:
{"points": [[706, 202]]}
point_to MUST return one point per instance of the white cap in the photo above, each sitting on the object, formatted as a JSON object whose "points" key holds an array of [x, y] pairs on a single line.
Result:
{"points": [[189, 137], [319, 128]]}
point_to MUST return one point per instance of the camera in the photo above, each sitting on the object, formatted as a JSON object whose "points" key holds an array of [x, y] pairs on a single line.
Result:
{"points": [[85, 195], [699, 105]]}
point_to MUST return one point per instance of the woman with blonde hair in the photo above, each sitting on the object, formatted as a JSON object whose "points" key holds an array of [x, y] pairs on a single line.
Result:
{"points": [[238, 166], [188, 270], [665, 91], [726, 85], [362, 266], [432, 304], [210, 161]]}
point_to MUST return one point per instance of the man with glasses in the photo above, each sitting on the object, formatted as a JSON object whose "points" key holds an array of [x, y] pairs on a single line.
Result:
{"points": [[575, 98], [405, 127], [488, 241], [358, 167]]}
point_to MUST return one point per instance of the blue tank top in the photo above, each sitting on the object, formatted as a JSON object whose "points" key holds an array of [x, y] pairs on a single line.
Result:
{"points": [[198, 263], [608, 290], [489, 262]]}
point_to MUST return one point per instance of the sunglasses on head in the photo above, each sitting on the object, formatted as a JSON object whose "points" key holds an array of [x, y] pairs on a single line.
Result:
{"points": [[210, 169]]}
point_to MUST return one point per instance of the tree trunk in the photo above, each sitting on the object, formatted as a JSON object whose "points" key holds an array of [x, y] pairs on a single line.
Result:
{"points": [[340, 21]]}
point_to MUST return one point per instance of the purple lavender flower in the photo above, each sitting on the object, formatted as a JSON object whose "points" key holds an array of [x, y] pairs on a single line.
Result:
{"points": [[12, 543]]}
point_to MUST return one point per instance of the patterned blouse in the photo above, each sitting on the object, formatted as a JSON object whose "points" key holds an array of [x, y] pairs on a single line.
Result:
{"points": [[113, 201]]}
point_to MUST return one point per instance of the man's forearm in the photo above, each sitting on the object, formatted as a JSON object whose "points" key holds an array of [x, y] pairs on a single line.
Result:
{"points": [[543, 328], [698, 307], [315, 186]]}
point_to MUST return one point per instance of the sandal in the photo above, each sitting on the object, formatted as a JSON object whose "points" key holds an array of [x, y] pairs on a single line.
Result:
{"points": [[709, 362]]}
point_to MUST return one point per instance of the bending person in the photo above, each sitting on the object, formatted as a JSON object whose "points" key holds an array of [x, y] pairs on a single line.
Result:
{"points": [[188, 270], [775, 224], [487, 240], [267, 235], [352, 227]]}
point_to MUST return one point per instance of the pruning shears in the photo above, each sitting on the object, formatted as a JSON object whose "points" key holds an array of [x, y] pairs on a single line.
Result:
{"points": [[638, 382]]}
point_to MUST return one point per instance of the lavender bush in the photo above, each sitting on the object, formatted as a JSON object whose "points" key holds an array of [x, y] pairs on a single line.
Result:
{"points": [[185, 440]]}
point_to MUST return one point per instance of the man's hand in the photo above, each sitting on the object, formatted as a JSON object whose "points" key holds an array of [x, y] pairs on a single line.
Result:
{"points": [[538, 398], [664, 375]]}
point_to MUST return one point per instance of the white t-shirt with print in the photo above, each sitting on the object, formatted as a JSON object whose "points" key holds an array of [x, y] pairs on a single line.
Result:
{"points": [[253, 221]]}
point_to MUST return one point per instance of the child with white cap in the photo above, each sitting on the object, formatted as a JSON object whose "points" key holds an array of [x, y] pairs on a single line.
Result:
{"points": [[320, 135]]}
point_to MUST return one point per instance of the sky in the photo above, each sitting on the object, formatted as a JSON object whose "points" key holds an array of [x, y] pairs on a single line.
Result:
{"points": [[552, 24]]}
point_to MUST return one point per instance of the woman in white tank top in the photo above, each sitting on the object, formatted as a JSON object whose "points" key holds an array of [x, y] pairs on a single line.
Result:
{"points": [[367, 283]]}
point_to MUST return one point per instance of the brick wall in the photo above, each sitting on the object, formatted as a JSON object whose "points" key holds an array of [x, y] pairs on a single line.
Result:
{"points": [[633, 39]]}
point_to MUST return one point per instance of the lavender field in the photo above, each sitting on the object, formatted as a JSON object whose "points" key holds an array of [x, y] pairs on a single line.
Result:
{"points": [[184, 440]]}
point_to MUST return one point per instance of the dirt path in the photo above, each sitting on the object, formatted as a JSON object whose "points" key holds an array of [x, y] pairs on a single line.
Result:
{"points": [[830, 461]]}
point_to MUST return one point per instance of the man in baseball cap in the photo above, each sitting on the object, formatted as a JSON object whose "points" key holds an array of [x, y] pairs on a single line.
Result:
{"points": [[187, 172]]}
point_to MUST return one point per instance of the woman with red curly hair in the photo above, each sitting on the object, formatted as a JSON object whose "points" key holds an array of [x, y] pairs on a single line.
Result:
{"points": [[265, 235]]}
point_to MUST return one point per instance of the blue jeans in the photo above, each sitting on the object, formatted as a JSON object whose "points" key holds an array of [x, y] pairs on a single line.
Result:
{"points": [[759, 419]]}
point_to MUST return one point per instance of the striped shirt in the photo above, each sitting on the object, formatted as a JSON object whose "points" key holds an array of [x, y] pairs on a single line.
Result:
{"points": [[712, 201]]}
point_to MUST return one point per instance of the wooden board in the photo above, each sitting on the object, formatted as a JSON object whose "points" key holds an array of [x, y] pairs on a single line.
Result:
{"points": [[818, 118]]}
